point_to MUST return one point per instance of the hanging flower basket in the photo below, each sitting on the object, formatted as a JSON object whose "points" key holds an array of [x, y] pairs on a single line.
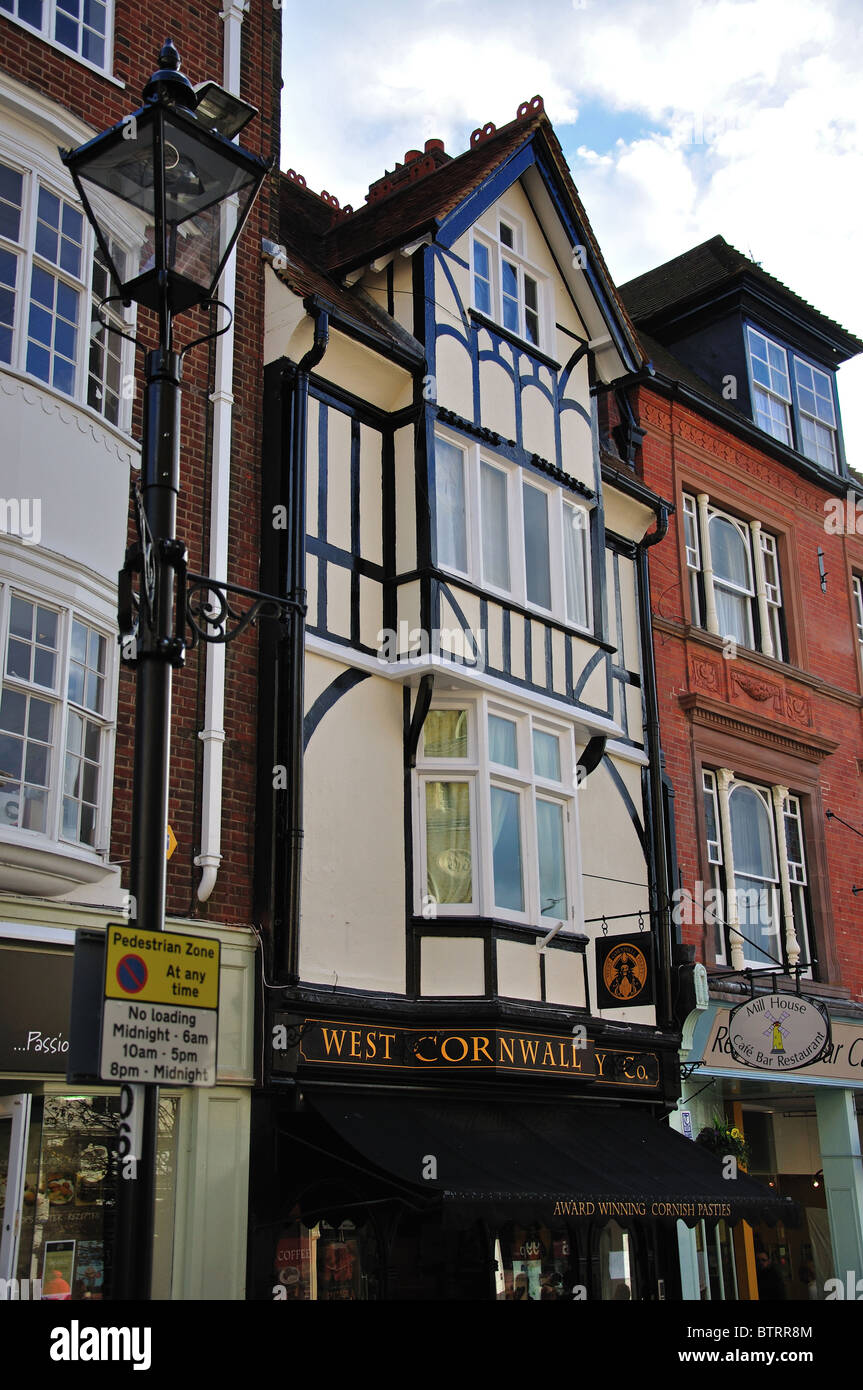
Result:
{"points": [[723, 1139]]}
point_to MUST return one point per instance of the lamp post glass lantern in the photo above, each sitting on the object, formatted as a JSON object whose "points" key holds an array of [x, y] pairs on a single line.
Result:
{"points": [[170, 184], [185, 188]]}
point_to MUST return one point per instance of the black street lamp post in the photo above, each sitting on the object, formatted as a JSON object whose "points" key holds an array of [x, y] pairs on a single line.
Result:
{"points": [[172, 171]]}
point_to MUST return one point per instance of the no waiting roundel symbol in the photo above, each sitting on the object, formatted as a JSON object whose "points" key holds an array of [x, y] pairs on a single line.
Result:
{"points": [[131, 974]]}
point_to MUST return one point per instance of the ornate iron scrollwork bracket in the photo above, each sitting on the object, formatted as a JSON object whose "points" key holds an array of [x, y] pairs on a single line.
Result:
{"points": [[213, 616], [212, 609]]}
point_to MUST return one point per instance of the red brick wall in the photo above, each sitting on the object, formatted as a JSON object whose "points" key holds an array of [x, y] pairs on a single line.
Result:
{"points": [[139, 32], [682, 450]]}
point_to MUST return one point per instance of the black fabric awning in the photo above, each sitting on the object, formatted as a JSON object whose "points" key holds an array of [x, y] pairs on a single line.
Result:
{"points": [[505, 1161]]}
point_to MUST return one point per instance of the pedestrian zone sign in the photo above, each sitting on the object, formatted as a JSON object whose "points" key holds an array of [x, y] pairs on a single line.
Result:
{"points": [[160, 1016]]}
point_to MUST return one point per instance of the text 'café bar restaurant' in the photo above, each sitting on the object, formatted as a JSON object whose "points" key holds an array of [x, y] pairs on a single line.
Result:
{"points": [[453, 1162]]}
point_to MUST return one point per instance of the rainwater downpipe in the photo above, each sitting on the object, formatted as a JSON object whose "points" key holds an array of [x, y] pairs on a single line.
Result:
{"points": [[286, 948], [663, 887], [213, 734]]}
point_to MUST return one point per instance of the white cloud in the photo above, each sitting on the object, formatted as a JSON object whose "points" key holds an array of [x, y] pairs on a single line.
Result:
{"points": [[752, 125]]}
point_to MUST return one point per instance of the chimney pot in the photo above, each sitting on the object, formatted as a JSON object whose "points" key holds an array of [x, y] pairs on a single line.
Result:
{"points": [[411, 155], [433, 145]]}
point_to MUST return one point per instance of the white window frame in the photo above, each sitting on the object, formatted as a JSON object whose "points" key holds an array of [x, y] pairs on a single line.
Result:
{"points": [[748, 592], [46, 32], [857, 589], [36, 173], [58, 697], [819, 424], [559, 501], [498, 252], [482, 774], [797, 873], [787, 401], [773, 394], [763, 566]]}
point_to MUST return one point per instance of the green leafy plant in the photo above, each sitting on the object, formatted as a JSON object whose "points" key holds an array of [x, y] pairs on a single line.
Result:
{"points": [[722, 1139]]}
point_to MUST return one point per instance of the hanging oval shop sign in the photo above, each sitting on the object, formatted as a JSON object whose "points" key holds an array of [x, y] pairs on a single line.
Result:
{"points": [[779, 1032]]}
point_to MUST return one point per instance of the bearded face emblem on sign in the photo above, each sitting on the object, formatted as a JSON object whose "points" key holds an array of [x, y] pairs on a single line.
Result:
{"points": [[624, 971]]}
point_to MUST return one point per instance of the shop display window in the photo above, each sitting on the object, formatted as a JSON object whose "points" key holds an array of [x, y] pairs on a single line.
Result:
{"points": [[533, 1263], [330, 1263], [71, 1172]]}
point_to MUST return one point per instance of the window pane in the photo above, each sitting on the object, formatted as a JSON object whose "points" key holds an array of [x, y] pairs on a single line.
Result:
{"points": [[502, 741], [36, 764], [43, 668], [11, 194], [552, 878], [87, 832], [506, 235], [13, 711], [734, 616], [92, 741], [74, 732], [70, 819], [450, 506], [730, 553], [509, 278], [18, 660], [94, 692], [536, 546], [66, 32], [40, 719], [21, 618], [495, 527], [751, 834], [35, 810], [79, 642], [10, 804], [76, 683], [575, 523], [506, 850], [445, 733], [11, 752], [481, 278], [448, 841], [546, 755]]}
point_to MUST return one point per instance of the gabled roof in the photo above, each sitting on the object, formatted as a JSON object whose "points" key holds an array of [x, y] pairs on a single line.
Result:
{"points": [[413, 207], [416, 201], [712, 266]]}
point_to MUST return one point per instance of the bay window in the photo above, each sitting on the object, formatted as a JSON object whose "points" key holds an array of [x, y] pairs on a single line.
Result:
{"points": [[52, 278], [758, 867], [511, 532], [55, 721], [734, 585], [796, 406], [496, 813]]}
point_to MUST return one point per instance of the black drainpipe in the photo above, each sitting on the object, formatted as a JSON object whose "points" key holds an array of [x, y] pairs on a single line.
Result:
{"points": [[662, 885], [286, 945]]}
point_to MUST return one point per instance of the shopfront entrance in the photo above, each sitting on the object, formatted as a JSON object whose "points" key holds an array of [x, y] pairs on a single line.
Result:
{"points": [[59, 1168]]}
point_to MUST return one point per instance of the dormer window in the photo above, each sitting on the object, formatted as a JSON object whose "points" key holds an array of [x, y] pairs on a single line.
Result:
{"points": [[504, 287], [796, 406]]}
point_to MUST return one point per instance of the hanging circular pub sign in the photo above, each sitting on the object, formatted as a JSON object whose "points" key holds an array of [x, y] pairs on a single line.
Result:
{"points": [[779, 1032]]}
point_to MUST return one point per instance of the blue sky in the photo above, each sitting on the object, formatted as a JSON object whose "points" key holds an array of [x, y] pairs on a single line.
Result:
{"points": [[679, 120]]}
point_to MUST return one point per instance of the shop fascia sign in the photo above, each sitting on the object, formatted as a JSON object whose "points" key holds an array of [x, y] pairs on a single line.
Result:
{"points": [[343, 1043], [779, 1032]]}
